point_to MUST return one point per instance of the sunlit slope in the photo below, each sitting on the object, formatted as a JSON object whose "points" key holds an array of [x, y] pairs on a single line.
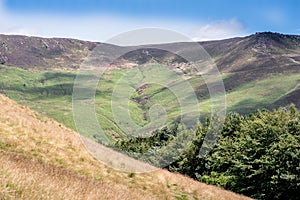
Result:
{"points": [[41, 159], [50, 93]]}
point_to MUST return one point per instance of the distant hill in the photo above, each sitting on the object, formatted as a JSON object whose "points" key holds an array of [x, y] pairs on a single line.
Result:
{"points": [[261, 52], [266, 51], [259, 71], [41, 159], [33, 52]]}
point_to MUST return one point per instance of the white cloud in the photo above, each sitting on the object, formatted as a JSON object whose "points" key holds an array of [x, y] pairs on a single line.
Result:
{"points": [[90, 27], [20, 31], [103, 27], [219, 30]]}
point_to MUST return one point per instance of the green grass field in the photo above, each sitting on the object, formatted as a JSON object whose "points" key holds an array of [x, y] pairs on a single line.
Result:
{"points": [[151, 91]]}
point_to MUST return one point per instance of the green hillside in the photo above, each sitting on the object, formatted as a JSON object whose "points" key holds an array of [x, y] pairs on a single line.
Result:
{"points": [[51, 93]]}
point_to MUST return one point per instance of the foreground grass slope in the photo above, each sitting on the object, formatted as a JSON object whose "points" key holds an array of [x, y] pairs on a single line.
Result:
{"points": [[42, 159]]}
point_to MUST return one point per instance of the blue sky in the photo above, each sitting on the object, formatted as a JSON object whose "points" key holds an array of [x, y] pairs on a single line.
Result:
{"points": [[98, 20]]}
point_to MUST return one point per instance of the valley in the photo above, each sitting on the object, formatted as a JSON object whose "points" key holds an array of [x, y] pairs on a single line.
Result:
{"points": [[261, 77]]}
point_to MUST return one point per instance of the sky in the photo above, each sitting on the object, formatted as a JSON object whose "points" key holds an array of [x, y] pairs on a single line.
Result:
{"points": [[99, 20]]}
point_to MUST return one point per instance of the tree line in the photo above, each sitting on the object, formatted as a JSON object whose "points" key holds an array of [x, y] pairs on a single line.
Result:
{"points": [[257, 155]]}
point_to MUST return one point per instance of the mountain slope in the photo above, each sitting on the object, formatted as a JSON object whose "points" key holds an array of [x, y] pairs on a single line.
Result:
{"points": [[43, 53], [41, 159], [265, 52], [259, 71], [246, 59]]}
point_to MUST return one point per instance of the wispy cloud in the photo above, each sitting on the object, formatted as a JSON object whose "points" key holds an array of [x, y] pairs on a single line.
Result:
{"points": [[19, 31], [103, 27], [219, 30]]}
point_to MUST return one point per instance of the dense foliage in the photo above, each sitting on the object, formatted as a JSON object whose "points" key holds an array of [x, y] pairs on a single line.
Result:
{"points": [[256, 155]]}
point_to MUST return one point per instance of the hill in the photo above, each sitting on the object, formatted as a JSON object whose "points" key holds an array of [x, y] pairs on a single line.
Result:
{"points": [[259, 71], [41, 53], [42, 159], [261, 52]]}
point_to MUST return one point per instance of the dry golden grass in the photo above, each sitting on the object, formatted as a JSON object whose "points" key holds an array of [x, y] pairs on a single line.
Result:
{"points": [[41, 159]]}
